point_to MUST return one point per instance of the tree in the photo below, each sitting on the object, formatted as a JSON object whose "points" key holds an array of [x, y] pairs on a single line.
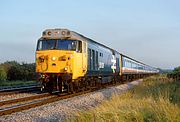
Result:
{"points": [[3, 74], [176, 70]]}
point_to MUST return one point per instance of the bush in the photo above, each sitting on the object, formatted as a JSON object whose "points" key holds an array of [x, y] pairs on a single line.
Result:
{"points": [[13, 70]]}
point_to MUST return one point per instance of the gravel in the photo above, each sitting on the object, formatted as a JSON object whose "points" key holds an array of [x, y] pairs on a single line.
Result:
{"points": [[60, 110]]}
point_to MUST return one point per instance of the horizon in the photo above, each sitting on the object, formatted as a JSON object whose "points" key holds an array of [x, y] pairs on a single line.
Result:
{"points": [[147, 31]]}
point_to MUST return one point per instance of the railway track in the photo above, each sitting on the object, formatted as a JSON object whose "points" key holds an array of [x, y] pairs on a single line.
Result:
{"points": [[35, 101], [41, 99], [16, 105], [16, 90]]}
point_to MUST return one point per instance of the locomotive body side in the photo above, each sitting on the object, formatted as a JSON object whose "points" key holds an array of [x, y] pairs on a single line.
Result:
{"points": [[103, 62], [100, 60]]}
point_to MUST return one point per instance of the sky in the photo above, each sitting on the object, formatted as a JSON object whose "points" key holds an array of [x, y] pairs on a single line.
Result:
{"points": [[147, 30]]}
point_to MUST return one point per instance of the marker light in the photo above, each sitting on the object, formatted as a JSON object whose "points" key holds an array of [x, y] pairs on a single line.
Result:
{"points": [[49, 33], [44, 33], [63, 32]]}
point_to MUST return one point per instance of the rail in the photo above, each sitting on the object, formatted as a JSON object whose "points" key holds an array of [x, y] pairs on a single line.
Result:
{"points": [[13, 90], [35, 103]]}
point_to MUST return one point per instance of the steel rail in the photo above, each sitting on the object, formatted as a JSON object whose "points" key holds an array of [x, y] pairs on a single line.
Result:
{"points": [[12, 101], [19, 90], [26, 106]]}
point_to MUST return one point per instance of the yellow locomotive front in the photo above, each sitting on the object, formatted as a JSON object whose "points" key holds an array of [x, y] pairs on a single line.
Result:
{"points": [[60, 59]]}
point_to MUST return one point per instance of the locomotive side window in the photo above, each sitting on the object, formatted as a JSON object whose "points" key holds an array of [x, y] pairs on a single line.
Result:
{"points": [[93, 59], [39, 45], [79, 46], [97, 62], [84, 47], [89, 59]]}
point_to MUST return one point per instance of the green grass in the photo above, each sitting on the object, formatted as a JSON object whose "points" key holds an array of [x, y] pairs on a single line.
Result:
{"points": [[16, 83], [157, 99]]}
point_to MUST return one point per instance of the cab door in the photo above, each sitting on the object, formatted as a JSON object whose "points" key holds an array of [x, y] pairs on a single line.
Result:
{"points": [[81, 59], [84, 57]]}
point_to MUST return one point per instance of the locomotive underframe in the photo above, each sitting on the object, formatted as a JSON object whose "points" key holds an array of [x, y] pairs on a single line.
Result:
{"points": [[64, 82]]}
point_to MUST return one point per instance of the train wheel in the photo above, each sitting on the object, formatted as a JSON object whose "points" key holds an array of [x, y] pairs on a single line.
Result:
{"points": [[71, 87], [49, 87]]}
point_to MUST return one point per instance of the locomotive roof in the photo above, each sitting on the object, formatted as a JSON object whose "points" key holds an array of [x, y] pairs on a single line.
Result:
{"points": [[93, 41], [110, 49]]}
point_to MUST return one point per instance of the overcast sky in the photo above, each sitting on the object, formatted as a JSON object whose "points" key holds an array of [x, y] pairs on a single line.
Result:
{"points": [[147, 30]]}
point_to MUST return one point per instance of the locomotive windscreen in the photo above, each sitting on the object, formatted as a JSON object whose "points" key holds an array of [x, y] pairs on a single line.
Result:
{"points": [[58, 45]]}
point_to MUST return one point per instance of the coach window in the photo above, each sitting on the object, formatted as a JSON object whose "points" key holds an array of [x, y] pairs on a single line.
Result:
{"points": [[124, 63], [89, 59], [132, 64], [128, 64], [136, 66]]}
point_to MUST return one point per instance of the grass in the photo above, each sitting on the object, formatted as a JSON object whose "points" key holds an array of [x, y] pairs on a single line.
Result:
{"points": [[157, 99], [17, 83]]}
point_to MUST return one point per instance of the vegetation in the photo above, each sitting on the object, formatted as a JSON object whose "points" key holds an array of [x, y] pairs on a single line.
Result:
{"points": [[175, 74], [3, 74], [156, 99], [16, 73], [176, 70]]}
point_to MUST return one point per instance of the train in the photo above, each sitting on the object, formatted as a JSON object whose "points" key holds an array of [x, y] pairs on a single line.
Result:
{"points": [[67, 61]]}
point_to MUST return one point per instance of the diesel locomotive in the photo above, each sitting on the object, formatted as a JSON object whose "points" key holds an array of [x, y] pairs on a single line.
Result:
{"points": [[67, 61]]}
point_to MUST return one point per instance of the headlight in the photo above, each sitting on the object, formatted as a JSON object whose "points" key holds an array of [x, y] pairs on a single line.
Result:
{"points": [[53, 58], [65, 69]]}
